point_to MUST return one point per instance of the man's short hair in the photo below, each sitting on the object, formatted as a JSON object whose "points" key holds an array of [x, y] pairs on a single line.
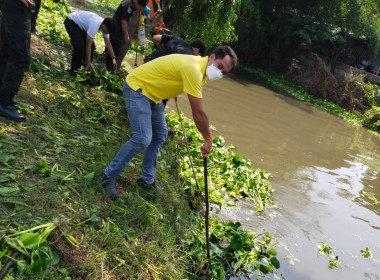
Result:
{"points": [[224, 50], [110, 23], [142, 2], [199, 45]]}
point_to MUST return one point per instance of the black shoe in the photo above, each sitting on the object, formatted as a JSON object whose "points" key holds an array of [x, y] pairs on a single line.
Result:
{"points": [[35, 32], [142, 183], [72, 73], [9, 111], [109, 184]]}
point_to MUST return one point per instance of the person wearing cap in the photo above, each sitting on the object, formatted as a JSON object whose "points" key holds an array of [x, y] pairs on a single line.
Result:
{"points": [[122, 16], [82, 27], [168, 44], [144, 89]]}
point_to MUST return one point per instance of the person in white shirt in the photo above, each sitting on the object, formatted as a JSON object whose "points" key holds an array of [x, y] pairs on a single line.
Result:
{"points": [[82, 27]]}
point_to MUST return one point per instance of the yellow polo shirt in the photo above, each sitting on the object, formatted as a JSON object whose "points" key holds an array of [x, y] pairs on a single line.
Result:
{"points": [[168, 76]]}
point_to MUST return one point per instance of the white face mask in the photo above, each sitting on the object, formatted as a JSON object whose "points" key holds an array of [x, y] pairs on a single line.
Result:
{"points": [[213, 73]]}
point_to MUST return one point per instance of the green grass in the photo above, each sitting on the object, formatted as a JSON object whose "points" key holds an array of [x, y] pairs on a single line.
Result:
{"points": [[55, 161]]}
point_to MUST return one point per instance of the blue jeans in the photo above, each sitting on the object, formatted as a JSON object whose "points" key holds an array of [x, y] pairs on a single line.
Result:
{"points": [[149, 132]]}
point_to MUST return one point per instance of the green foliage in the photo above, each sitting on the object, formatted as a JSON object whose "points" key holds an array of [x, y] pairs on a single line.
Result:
{"points": [[50, 22], [104, 6], [372, 119], [366, 253], [326, 249], [101, 78], [31, 243], [232, 249], [231, 176], [370, 196], [272, 32], [209, 21]]}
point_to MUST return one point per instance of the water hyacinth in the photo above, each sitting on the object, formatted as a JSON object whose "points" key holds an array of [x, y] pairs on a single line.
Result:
{"points": [[231, 176]]}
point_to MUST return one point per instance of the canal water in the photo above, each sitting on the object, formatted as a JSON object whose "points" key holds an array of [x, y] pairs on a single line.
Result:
{"points": [[320, 165]]}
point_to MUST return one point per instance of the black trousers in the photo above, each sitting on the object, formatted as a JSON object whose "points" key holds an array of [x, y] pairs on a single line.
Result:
{"points": [[116, 39], [78, 41], [35, 14], [14, 47]]}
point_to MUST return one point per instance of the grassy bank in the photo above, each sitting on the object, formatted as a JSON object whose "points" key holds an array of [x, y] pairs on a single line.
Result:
{"points": [[56, 222]]}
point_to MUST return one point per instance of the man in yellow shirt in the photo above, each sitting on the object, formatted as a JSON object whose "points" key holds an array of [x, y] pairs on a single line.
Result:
{"points": [[164, 78]]}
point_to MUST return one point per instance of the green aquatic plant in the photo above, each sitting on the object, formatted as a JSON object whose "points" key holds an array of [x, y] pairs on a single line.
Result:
{"points": [[366, 253], [334, 263], [326, 249], [370, 196], [233, 250], [231, 176]]}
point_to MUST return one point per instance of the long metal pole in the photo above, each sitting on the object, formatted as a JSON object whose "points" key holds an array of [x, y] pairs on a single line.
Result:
{"points": [[207, 211]]}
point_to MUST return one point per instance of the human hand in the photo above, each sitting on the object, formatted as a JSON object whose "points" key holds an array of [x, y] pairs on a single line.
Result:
{"points": [[27, 2], [127, 39], [206, 148], [114, 63]]}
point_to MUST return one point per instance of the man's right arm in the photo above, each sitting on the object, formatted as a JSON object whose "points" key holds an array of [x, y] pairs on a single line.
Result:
{"points": [[201, 121]]}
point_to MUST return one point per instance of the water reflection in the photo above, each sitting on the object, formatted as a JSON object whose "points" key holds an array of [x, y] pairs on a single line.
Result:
{"points": [[320, 164]]}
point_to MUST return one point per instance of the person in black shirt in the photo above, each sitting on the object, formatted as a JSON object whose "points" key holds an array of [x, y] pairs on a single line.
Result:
{"points": [[168, 44], [122, 16]]}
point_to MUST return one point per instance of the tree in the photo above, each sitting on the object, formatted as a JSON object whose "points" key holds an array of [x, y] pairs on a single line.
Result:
{"points": [[271, 32], [211, 21]]}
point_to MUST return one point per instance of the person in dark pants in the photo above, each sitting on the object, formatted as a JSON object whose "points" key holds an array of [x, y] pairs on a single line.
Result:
{"points": [[14, 53], [168, 44], [82, 27], [122, 16], [35, 16]]}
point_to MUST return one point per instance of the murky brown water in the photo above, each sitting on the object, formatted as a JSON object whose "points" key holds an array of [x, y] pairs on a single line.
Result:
{"points": [[319, 165]]}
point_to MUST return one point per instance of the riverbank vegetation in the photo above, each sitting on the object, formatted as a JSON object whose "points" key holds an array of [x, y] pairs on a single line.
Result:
{"points": [[56, 222]]}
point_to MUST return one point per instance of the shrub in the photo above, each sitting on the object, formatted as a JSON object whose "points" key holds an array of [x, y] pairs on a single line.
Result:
{"points": [[348, 91]]}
